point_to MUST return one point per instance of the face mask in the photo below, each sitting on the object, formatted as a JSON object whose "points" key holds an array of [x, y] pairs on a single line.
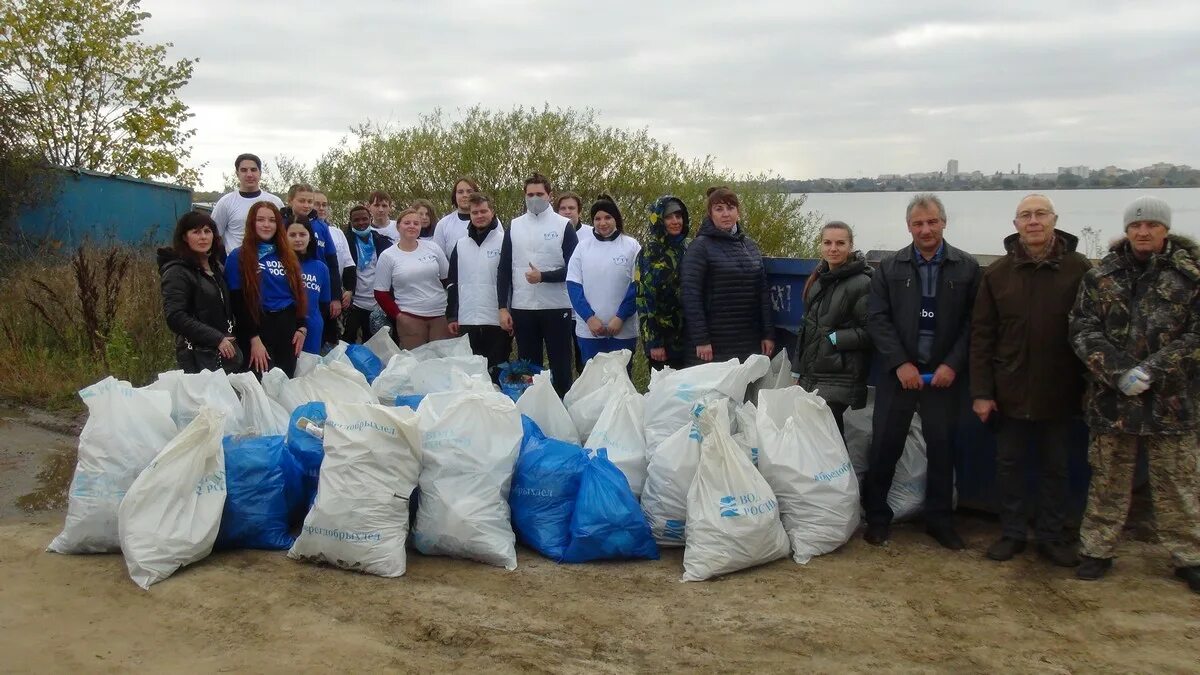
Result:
{"points": [[536, 205]]}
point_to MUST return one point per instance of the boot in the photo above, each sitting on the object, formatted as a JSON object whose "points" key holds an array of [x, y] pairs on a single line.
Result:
{"points": [[1058, 553], [877, 535], [946, 536], [1191, 575], [1091, 569], [1005, 548]]}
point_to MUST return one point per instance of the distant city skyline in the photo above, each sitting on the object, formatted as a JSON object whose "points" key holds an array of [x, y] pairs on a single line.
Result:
{"points": [[953, 170]]}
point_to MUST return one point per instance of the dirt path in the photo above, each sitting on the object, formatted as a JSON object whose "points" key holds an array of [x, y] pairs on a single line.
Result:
{"points": [[910, 607]]}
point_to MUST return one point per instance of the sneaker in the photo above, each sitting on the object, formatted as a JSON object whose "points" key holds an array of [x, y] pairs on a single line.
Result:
{"points": [[946, 536], [1058, 553], [1191, 575], [1005, 548], [1091, 569], [877, 535]]}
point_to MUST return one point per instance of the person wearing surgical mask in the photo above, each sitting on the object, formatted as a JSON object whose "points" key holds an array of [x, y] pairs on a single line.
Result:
{"points": [[531, 283]]}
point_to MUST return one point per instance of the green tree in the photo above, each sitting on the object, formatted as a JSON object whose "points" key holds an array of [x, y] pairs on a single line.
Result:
{"points": [[571, 147], [95, 96]]}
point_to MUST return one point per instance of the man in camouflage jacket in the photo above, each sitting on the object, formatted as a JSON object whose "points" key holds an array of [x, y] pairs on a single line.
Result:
{"points": [[1136, 326]]}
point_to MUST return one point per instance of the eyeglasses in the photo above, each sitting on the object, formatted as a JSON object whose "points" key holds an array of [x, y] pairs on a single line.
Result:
{"points": [[1030, 215]]}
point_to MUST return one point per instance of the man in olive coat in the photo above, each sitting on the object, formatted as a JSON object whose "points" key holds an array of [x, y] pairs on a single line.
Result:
{"points": [[1025, 377]]}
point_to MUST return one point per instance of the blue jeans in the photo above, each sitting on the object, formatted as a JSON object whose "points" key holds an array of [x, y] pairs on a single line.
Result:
{"points": [[589, 347]]}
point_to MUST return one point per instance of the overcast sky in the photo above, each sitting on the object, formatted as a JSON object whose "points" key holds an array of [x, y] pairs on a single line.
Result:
{"points": [[805, 89]]}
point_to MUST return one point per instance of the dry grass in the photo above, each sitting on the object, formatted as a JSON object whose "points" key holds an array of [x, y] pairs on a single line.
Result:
{"points": [[70, 321]]}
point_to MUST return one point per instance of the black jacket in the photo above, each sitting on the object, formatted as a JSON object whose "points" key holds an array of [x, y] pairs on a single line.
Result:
{"points": [[836, 303], [894, 309], [382, 243], [725, 295], [197, 308]]}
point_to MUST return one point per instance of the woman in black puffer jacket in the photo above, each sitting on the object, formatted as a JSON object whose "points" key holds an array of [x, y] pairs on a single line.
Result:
{"points": [[726, 309], [195, 297], [833, 351]]}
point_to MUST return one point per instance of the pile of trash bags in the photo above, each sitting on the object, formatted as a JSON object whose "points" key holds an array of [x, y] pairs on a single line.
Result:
{"points": [[328, 465]]}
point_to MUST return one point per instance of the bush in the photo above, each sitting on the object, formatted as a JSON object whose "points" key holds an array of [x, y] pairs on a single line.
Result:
{"points": [[74, 320], [571, 147]]}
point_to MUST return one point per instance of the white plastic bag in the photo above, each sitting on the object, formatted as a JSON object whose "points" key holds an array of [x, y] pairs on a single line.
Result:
{"points": [[805, 462], [668, 477], [305, 362], [779, 375], [171, 514], [542, 405], [745, 429], [191, 391], [261, 416], [732, 517], [395, 379], [469, 445], [460, 346], [125, 430], [360, 518], [619, 430], [334, 382], [382, 345], [431, 376], [673, 392], [906, 497], [603, 378]]}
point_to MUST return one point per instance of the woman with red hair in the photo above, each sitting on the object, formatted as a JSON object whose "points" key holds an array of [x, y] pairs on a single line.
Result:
{"points": [[268, 293]]}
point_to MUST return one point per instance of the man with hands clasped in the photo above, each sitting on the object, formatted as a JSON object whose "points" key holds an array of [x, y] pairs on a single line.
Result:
{"points": [[918, 317], [1136, 326]]}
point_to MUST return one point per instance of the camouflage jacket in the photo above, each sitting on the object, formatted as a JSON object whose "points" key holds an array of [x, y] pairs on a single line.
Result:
{"points": [[1148, 314]]}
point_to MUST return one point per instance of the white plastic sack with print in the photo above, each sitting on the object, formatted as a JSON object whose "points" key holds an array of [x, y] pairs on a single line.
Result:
{"points": [[261, 416], [906, 497], [335, 382], [804, 460], [542, 405], [469, 445], [745, 429], [125, 430], [170, 516], [459, 346], [668, 477], [779, 375], [673, 392], [603, 378], [395, 379], [619, 430], [360, 518], [732, 517], [192, 391]]}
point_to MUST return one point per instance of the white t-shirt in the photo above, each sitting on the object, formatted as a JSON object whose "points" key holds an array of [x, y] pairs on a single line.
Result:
{"points": [[364, 290], [230, 213], [343, 248], [389, 231], [605, 270], [414, 278], [449, 230]]}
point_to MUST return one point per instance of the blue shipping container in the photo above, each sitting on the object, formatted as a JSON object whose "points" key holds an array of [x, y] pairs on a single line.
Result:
{"points": [[102, 207]]}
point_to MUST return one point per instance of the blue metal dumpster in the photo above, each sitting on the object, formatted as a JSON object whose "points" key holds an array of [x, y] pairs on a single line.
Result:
{"points": [[975, 443], [102, 207]]}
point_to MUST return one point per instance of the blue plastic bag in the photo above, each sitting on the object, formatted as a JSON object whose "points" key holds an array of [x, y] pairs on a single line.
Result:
{"points": [[364, 361], [410, 400], [530, 432], [511, 377], [607, 523], [307, 449], [262, 490], [542, 497]]}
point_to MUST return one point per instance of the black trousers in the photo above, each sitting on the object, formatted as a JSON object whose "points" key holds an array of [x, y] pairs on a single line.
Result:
{"points": [[553, 328], [676, 363], [333, 330], [277, 330], [839, 411], [1050, 438], [358, 325], [491, 342], [894, 408]]}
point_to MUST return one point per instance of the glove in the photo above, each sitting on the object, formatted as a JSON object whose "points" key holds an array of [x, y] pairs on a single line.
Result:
{"points": [[1134, 382], [833, 339]]}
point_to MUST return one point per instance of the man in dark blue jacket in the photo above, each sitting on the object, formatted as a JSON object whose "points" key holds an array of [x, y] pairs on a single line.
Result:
{"points": [[919, 321]]}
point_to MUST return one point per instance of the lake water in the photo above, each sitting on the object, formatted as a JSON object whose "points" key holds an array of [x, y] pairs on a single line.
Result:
{"points": [[978, 221]]}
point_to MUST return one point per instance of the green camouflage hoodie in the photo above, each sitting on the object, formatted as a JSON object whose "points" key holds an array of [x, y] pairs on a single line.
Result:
{"points": [[1128, 314]]}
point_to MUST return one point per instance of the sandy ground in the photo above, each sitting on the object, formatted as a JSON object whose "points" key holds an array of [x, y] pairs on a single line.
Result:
{"points": [[909, 607]]}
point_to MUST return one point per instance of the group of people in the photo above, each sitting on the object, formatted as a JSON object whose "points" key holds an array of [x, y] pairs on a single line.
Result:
{"points": [[1040, 335]]}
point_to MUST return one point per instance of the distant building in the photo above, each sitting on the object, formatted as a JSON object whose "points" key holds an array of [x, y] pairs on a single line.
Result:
{"points": [[952, 168], [1081, 171], [1045, 176], [1112, 171]]}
